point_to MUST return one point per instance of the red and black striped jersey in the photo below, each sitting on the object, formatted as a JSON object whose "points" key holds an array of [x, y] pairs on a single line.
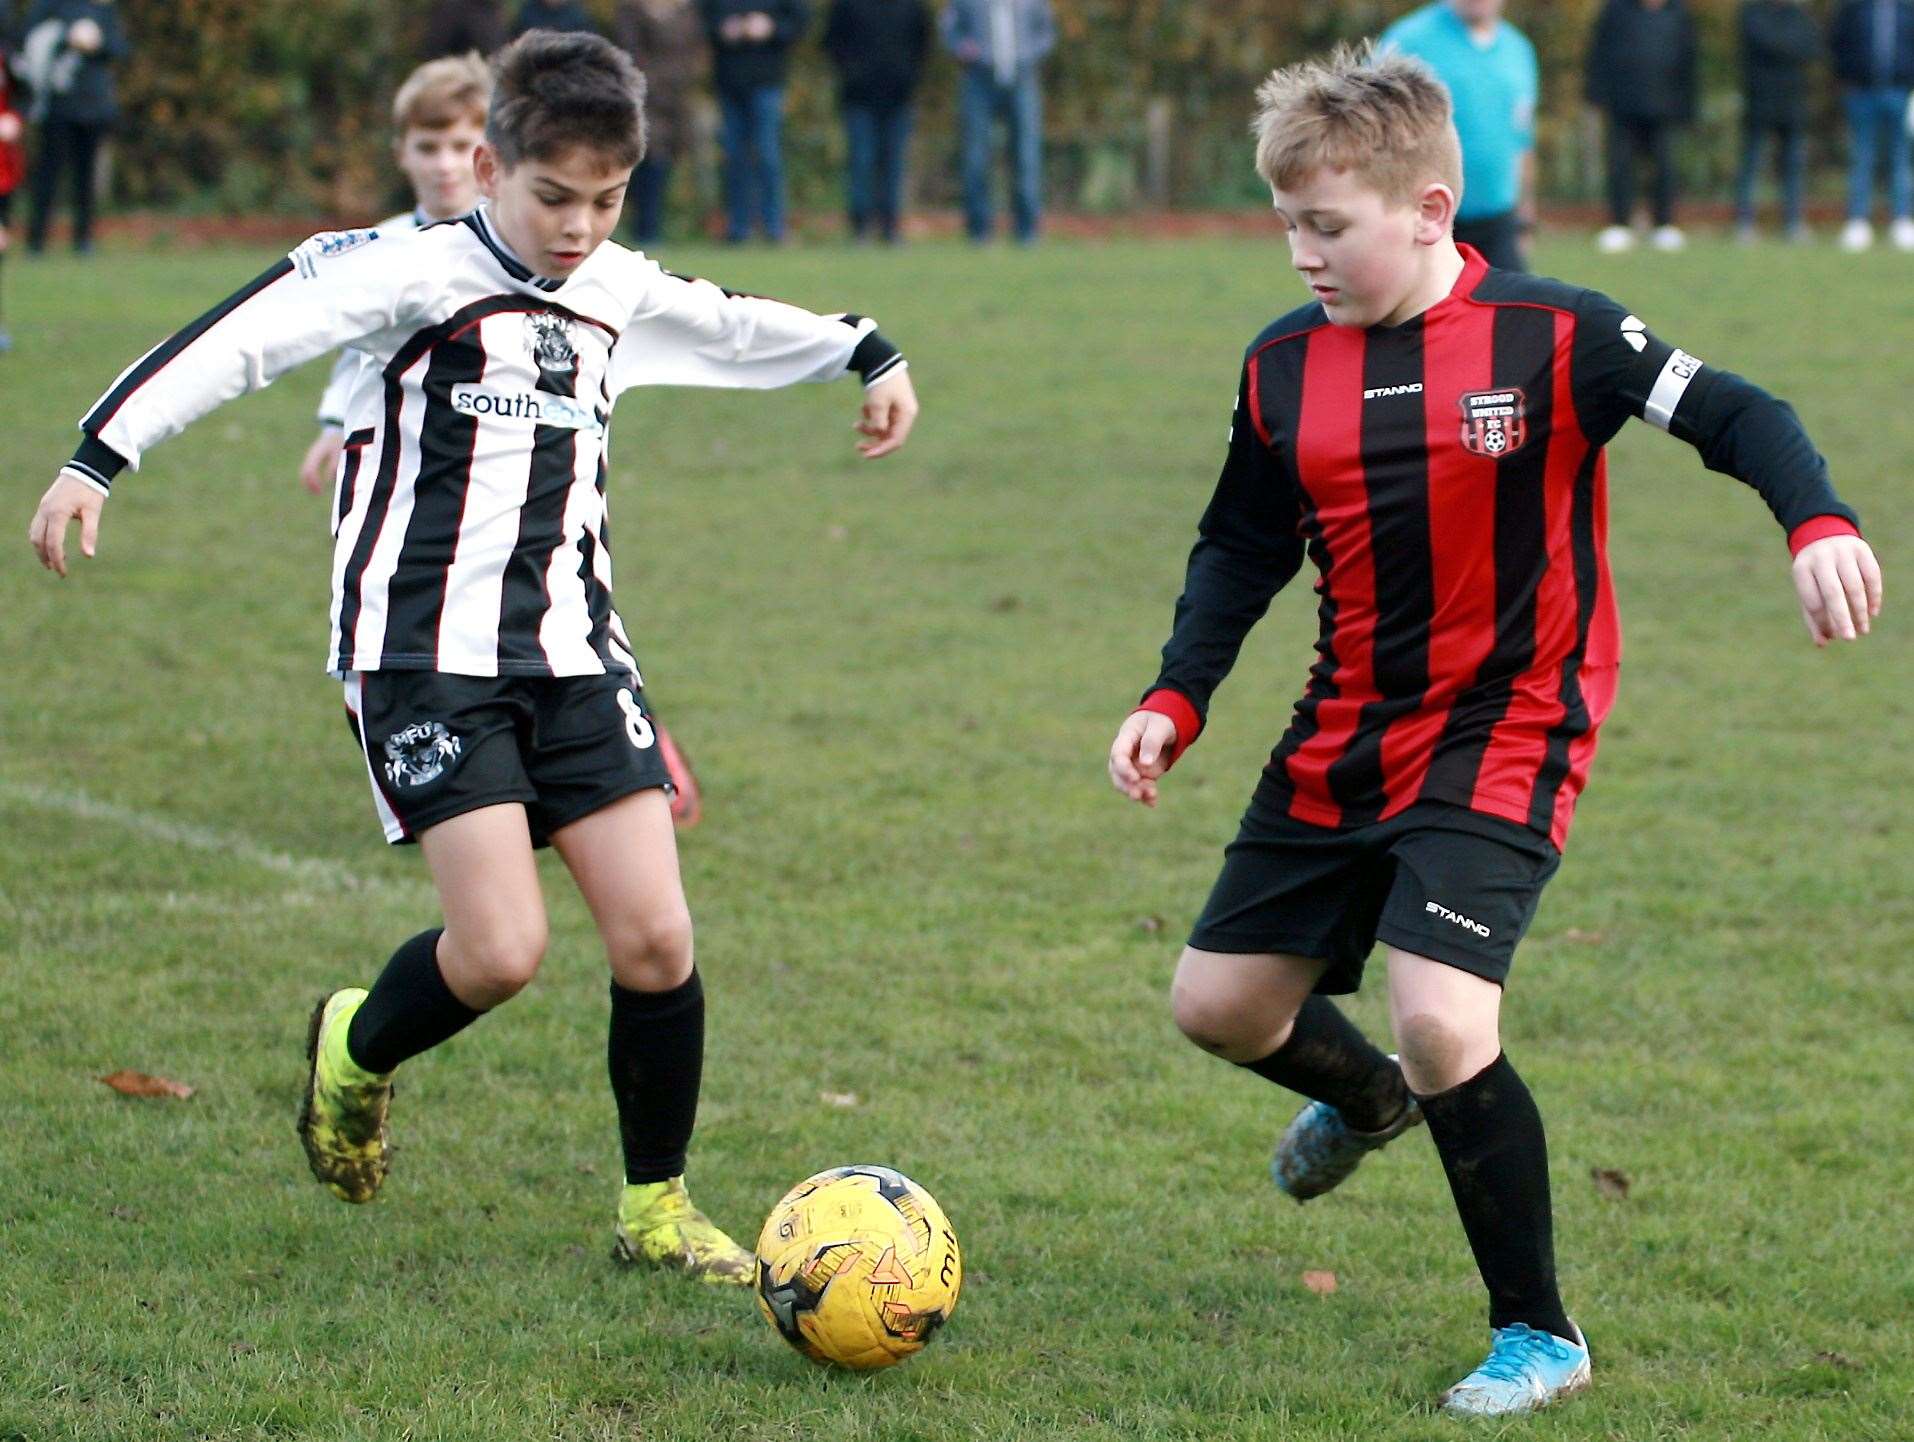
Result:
{"points": [[1446, 477]]}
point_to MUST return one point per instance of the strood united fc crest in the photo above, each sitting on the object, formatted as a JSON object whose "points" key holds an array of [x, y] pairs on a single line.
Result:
{"points": [[1494, 423]]}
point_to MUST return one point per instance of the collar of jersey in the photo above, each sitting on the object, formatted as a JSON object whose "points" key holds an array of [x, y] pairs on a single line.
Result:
{"points": [[480, 221], [1474, 267]]}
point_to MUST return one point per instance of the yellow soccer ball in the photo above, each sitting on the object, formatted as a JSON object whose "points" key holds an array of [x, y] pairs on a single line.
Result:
{"points": [[858, 1267]]}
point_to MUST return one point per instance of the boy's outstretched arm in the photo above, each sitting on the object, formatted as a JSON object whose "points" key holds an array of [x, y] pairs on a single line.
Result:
{"points": [[688, 332], [333, 289], [1621, 370], [1247, 549]]}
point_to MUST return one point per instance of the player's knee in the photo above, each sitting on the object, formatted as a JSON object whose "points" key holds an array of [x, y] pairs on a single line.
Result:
{"points": [[1434, 1050], [1228, 1021], [651, 952], [501, 962]]}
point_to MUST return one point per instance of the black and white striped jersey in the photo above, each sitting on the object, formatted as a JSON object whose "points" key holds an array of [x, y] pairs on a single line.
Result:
{"points": [[470, 526]]}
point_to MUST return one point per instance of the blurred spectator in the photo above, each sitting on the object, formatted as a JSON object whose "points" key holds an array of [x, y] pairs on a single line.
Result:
{"points": [[879, 47], [1001, 44], [1779, 41], [666, 38], [1490, 69], [1641, 71], [552, 15], [751, 45], [68, 55], [1873, 45], [12, 157], [457, 27]]}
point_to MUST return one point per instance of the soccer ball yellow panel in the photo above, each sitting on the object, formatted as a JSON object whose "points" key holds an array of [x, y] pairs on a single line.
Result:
{"points": [[858, 1266]]}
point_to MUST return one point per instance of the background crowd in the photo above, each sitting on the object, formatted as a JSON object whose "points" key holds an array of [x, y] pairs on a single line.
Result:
{"points": [[976, 72]]}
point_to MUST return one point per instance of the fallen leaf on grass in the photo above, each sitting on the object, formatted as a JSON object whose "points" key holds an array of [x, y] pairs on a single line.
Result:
{"points": [[1321, 1283], [123, 1213], [1838, 1360], [139, 1084], [1610, 1183], [1577, 937], [1151, 925], [838, 1099]]}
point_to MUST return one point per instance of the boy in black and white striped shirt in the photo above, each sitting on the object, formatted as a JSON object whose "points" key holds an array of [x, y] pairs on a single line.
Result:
{"points": [[491, 683]]}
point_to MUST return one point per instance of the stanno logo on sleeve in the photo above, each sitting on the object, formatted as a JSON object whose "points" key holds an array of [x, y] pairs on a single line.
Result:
{"points": [[1494, 423], [418, 755], [327, 245]]}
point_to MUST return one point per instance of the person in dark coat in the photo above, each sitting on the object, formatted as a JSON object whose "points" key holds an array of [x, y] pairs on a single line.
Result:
{"points": [[458, 27], [1641, 74], [71, 48], [552, 15], [751, 47], [666, 38], [878, 47], [1779, 41], [1873, 46]]}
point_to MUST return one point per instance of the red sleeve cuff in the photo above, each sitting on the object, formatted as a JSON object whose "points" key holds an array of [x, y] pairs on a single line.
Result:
{"points": [[1819, 529], [1176, 706]]}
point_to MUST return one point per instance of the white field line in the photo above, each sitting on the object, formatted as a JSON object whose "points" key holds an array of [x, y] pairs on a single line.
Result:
{"points": [[307, 870]]}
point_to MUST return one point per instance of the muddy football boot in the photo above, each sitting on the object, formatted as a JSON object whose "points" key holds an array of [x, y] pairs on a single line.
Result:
{"points": [[659, 1227], [342, 1119]]}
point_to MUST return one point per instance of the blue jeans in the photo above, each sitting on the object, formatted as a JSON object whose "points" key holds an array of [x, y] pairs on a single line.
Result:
{"points": [[981, 104], [753, 161], [877, 140], [1791, 157], [649, 183], [1869, 113]]}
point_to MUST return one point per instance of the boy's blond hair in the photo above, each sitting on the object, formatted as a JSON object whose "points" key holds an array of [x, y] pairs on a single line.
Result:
{"points": [[1385, 118], [443, 92]]}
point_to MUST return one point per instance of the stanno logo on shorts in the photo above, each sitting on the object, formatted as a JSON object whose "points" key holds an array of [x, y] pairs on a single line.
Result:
{"points": [[1436, 908], [419, 754], [1494, 423]]}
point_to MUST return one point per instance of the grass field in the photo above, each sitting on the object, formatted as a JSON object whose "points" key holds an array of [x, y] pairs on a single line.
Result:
{"points": [[914, 885]]}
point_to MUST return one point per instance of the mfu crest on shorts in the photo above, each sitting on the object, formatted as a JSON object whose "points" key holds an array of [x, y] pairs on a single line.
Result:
{"points": [[419, 754], [1494, 423]]}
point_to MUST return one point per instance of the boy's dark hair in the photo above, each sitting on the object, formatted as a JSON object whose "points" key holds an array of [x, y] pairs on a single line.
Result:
{"points": [[555, 90]]}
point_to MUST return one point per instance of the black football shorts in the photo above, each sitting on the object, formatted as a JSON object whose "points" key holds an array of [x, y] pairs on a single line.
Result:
{"points": [[1438, 880], [438, 746]]}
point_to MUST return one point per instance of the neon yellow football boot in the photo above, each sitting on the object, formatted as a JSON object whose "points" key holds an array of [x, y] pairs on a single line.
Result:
{"points": [[659, 1227], [342, 1119]]}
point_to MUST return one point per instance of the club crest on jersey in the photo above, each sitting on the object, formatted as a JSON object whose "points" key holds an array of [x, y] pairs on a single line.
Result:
{"points": [[1494, 423], [550, 337], [418, 755]]}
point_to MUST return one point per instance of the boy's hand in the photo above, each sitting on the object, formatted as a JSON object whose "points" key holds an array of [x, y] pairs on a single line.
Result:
{"points": [[890, 410], [1140, 754], [1838, 582], [322, 460], [65, 500]]}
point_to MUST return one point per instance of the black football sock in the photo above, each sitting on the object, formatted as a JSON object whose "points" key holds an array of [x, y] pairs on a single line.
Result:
{"points": [[410, 1008], [1489, 1135], [1328, 1060], [656, 1054]]}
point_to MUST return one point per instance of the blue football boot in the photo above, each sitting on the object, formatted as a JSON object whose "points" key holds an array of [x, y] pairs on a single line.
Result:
{"points": [[1319, 1150], [1525, 1369]]}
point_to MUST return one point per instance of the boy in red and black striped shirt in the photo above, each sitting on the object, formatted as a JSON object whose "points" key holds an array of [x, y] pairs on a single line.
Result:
{"points": [[1429, 432]]}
